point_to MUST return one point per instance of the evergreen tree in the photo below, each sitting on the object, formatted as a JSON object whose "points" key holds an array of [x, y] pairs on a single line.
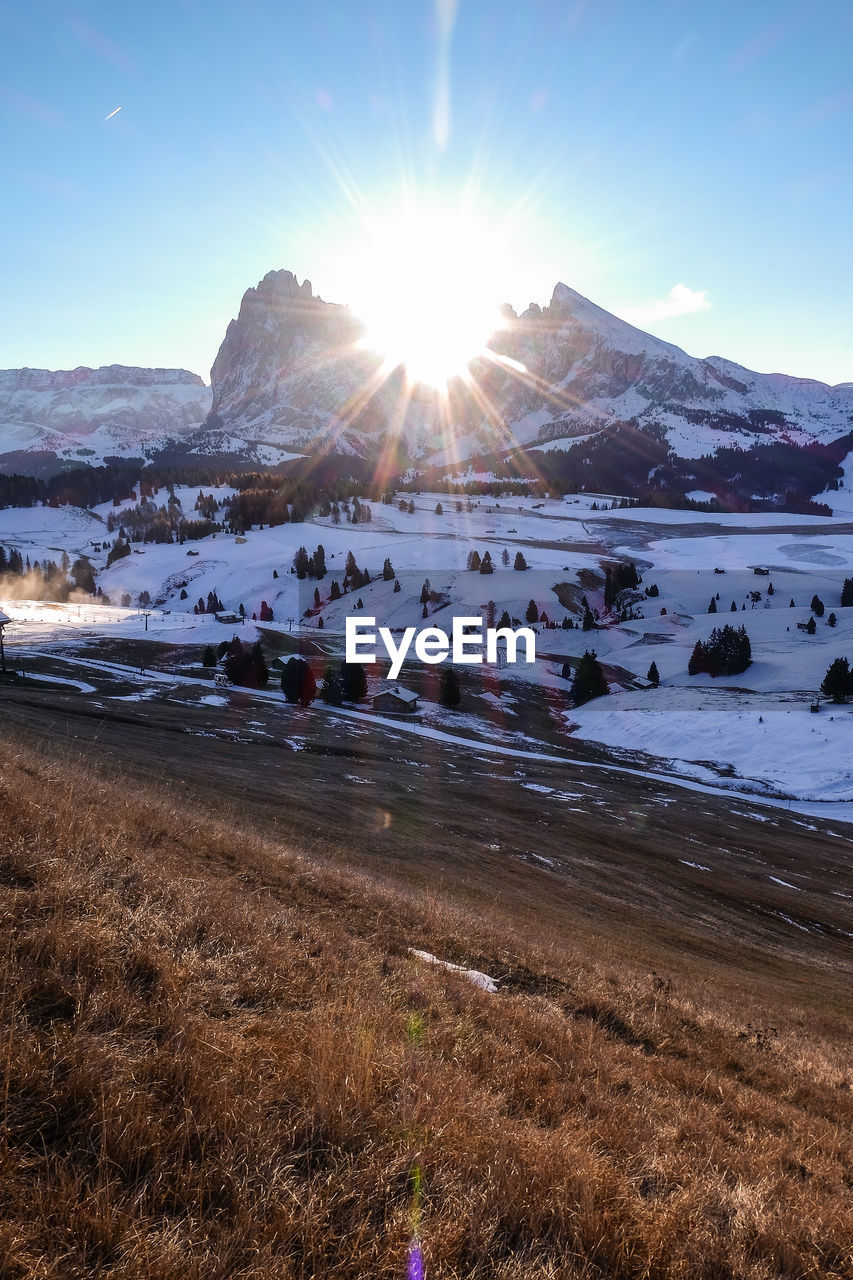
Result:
{"points": [[208, 658], [588, 623], [353, 681], [811, 626], [712, 607], [387, 571], [317, 567], [838, 681], [696, 662], [831, 620], [439, 509], [474, 561], [449, 694], [505, 558], [397, 587], [589, 681], [504, 620], [532, 614], [300, 563], [486, 565], [331, 687], [653, 675], [847, 593], [425, 592], [297, 682], [520, 563], [258, 670], [566, 671], [816, 606], [334, 591], [733, 608]]}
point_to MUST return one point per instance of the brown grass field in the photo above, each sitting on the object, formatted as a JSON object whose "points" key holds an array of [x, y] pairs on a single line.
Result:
{"points": [[219, 1059]]}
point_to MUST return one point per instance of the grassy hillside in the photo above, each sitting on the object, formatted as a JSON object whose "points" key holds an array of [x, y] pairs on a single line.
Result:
{"points": [[219, 1059]]}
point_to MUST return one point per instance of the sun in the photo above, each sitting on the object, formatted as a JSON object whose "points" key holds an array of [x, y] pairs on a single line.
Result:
{"points": [[425, 284]]}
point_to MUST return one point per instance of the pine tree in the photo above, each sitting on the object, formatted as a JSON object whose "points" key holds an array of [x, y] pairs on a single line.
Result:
{"points": [[696, 663], [353, 681], [474, 561], [532, 614], [712, 607], [439, 509], [589, 681], [847, 593], [505, 558], [811, 626], [297, 682], [448, 693], [831, 620], [208, 657], [258, 666], [504, 620], [331, 688], [387, 570], [300, 563], [520, 563], [816, 606], [588, 623], [838, 681], [486, 565], [653, 675]]}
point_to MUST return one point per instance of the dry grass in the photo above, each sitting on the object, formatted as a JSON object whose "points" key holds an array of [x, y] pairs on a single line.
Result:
{"points": [[219, 1060]]}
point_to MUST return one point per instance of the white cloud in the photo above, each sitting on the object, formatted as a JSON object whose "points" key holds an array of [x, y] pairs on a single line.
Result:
{"points": [[680, 301]]}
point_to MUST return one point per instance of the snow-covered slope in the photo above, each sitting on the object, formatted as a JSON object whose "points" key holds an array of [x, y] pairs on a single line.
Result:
{"points": [[52, 419], [292, 373]]}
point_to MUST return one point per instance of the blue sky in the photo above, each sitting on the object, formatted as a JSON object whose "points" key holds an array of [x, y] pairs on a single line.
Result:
{"points": [[644, 147]]}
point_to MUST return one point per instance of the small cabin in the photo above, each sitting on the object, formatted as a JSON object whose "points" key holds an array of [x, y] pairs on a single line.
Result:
{"points": [[719, 570], [802, 626], [396, 700], [760, 571], [229, 618]]}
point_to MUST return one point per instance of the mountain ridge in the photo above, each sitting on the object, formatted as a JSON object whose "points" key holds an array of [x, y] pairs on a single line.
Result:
{"points": [[293, 376]]}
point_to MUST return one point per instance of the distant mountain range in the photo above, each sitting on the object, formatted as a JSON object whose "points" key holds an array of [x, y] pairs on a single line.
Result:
{"points": [[78, 417], [292, 378]]}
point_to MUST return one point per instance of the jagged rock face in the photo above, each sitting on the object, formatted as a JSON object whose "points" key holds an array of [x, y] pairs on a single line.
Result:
{"points": [[291, 375], [79, 416]]}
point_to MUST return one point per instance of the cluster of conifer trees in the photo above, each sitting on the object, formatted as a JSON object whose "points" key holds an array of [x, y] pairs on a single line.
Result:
{"points": [[727, 652]]}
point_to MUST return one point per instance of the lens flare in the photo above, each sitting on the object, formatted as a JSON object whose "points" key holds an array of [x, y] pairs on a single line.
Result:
{"points": [[425, 283]]}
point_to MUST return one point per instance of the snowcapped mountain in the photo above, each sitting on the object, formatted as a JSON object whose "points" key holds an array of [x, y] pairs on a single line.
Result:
{"points": [[51, 420], [292, 375]]}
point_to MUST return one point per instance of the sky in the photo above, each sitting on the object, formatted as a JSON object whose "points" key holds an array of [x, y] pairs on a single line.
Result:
{"points": [[688, 166]]}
